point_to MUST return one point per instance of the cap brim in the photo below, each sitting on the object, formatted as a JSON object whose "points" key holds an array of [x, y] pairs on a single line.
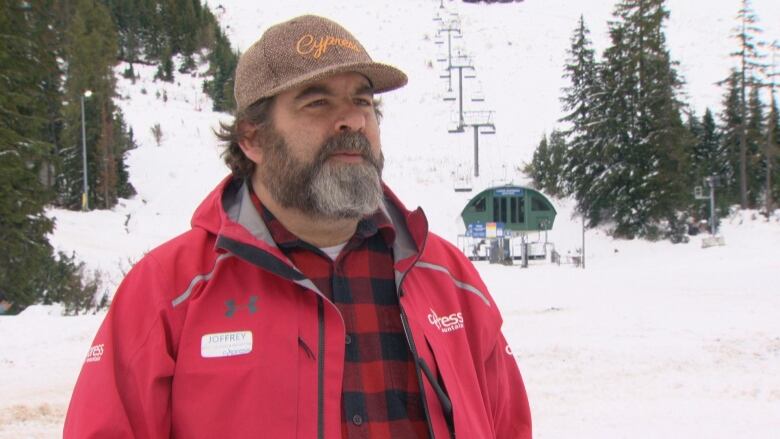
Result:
{"points": [[383, 77]]}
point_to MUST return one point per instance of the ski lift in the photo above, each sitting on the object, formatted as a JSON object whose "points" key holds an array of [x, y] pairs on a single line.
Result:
{"points": [[477, 95], [462, 179], [455, 127], [479, 117], [449, 96], [487, 129], [460, 56]]}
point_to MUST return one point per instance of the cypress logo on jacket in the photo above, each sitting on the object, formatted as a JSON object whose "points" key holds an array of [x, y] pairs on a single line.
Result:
{"points": [[447, 323], [95, 353]]}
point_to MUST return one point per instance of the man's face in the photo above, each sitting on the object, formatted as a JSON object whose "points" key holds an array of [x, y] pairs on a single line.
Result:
{"points": [[321, 154]]}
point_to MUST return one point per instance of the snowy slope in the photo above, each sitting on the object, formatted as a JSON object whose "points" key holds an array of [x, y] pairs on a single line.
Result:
{"points": [[651, 340]]}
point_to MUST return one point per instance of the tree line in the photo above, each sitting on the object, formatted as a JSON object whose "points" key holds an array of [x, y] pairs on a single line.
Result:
{"points": [[57, 84], [630, 151]]}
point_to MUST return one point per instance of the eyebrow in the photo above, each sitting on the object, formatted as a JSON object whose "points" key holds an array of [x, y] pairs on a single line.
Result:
{"points": [[318, 89]]}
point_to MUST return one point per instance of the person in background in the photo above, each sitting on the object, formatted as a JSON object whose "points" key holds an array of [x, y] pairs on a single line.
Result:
{"points": [[4, 304], [306, 301]]}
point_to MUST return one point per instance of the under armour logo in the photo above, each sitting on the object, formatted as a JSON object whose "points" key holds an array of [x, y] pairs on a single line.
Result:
{"points": [[232, 307]]}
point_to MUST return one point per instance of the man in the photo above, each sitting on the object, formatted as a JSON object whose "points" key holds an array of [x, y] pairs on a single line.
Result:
{"points": [[306, 301]]}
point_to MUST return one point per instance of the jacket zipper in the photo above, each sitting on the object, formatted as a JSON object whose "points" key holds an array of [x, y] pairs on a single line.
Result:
{"points": [[320, 368], [446, 403], [410, 342]]}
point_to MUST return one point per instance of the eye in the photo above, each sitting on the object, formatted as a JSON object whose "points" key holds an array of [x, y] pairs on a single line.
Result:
{"points": [[316, 103], [364, 101]]}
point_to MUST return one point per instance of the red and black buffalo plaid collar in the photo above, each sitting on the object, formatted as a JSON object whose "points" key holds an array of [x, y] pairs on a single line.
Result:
{"points": [[380, 393], [285, 239]]}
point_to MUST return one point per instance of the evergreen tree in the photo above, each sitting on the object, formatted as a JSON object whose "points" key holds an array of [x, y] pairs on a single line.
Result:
{"points": [[582, 102], [24, 249], [772, 149], [547, 168], [705, 155], [91, 54], [126, 15], [704, 159], [708, 156], [27, 86], [152, 31], [186, 27], [731, 133], [643, 133], [772, 152], [165, 69], [746, 33], [42, 18], [696, 130], [223, 66], [556, 183], [123, 142], [755, 139], [540, 164]]}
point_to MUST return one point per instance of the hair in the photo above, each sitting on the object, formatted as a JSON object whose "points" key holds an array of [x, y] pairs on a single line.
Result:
{"points": [[257, 114]]}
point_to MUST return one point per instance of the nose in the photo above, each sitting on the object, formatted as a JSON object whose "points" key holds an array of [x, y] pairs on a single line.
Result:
{"points": [[351, 118]]}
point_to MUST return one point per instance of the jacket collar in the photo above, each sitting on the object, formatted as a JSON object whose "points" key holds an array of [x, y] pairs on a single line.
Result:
{"points": [[229, 213]]}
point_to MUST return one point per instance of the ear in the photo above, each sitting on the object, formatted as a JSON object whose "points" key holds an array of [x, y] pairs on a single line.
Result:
{"points": [[249, 141]]}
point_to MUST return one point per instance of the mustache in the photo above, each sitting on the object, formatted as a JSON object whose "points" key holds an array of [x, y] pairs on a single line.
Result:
{"points": [[347, 142]]}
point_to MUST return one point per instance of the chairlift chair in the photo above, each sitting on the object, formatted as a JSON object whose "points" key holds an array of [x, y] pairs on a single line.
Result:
{"points": [[455, 127], [488, 129], [449, 97], [462, 181], [477, 95]]}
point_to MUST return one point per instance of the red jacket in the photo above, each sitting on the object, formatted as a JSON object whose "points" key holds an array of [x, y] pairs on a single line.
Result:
{"points": [[216, 334]]}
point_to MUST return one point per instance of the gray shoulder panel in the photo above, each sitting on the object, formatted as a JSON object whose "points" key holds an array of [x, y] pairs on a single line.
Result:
{"points": [[468, 287], [199, 278]]}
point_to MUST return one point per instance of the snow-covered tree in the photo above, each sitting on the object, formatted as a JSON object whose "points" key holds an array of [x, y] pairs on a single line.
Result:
{"points": [[583, 103], [547, 168], [644, 138]]}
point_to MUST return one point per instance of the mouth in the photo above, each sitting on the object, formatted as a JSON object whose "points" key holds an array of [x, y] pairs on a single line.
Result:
{"points": [[347, 157]]}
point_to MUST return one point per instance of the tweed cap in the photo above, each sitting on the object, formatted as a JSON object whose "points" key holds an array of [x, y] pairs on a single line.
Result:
{"points": [[306, 49]]}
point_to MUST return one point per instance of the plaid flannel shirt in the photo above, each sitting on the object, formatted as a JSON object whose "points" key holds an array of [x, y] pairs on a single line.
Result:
{"points": [[380, 394]]}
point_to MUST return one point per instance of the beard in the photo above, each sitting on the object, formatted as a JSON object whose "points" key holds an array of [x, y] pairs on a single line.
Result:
{"points": [[323, 188]]}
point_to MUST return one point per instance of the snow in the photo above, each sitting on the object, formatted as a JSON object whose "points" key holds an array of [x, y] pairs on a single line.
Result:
{"points": [[650, 340]]}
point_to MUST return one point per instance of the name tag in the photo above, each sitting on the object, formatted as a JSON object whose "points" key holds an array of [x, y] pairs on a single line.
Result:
{"points": [[226, 344]]}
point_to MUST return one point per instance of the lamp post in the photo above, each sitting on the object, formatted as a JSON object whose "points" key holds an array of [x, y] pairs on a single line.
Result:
{"points": [[84, 196]]}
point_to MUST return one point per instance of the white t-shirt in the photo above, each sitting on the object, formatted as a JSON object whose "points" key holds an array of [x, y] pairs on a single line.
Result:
{"points": [[333, 251]]}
